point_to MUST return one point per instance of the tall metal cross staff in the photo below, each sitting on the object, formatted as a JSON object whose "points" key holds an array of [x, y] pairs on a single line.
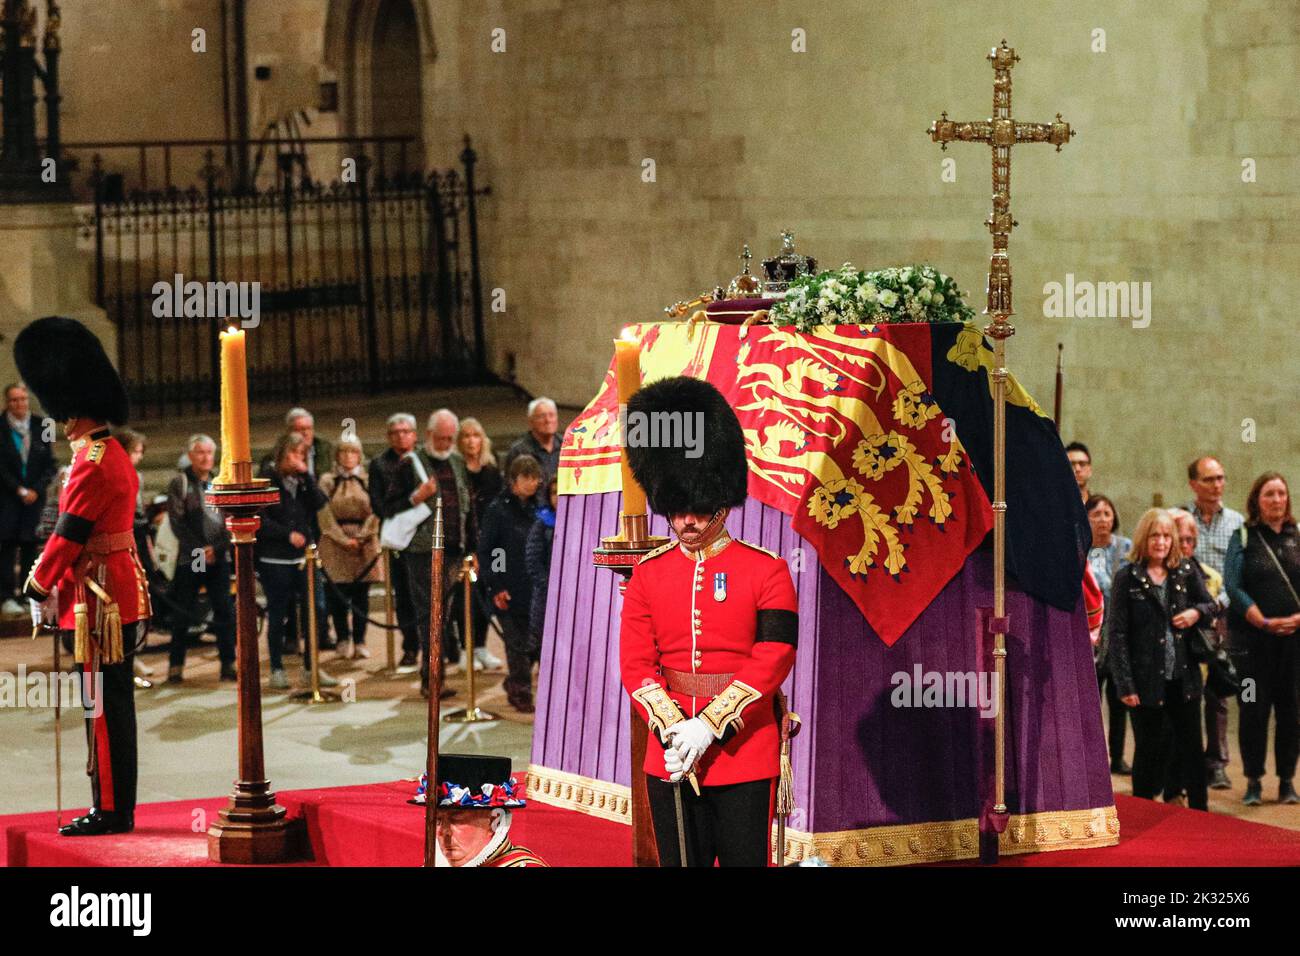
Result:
{"points": [[1001, 132]]}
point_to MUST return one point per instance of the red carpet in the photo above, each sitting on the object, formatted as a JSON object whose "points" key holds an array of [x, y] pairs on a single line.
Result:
{"points": [[374, 826]]}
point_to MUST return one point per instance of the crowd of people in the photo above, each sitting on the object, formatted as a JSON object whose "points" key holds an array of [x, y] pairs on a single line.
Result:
{"points": [[498, 522], [1201, 607], [1199, 591]]}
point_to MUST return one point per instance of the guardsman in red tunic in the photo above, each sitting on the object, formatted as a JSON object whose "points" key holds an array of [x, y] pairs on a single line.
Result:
{"points": [[709, 630], [90, 561], [476, 797]]}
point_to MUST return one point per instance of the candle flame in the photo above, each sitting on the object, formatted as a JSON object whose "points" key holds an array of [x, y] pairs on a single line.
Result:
{"points": [[628, 334]]}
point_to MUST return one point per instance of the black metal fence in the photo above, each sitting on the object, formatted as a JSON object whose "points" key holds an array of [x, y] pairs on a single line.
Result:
{"points": [[360, 285]]}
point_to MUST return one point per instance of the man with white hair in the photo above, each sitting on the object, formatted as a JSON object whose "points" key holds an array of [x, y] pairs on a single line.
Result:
{"points": [[436, 468], [201, 559], [383, 474], [542, 442]]}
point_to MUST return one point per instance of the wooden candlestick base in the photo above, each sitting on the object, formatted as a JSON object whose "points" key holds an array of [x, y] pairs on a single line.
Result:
{"points": [[253, 828]]}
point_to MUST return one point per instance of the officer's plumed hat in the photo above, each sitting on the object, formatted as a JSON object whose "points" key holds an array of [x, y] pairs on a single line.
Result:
{"points": [[674, 481], [66, 368]]}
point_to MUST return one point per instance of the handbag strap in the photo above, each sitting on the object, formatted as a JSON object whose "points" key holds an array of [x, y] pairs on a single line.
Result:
{"points": [[1280, 570]]}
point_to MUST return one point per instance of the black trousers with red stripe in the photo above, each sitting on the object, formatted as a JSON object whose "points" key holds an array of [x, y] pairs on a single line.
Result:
{"points": [[730, 824], [111, 736]]}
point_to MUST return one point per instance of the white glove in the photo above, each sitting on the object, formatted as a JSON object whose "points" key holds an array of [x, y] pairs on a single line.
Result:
{"points": [[673, 764], [690, 738], [36, 612]]}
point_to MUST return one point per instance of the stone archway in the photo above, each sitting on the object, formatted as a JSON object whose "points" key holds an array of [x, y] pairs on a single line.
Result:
{"points": [[380, 51]]}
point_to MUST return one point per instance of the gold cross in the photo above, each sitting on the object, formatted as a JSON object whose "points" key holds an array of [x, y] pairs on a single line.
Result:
{"points": [[1001, 132]]}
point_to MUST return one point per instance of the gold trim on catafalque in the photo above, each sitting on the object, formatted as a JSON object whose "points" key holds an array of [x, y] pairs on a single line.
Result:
{"points": [[894, 845]]}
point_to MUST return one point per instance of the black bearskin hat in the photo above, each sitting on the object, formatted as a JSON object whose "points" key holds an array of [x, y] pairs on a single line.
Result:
{"points": [[64, 365], [674, 482]]}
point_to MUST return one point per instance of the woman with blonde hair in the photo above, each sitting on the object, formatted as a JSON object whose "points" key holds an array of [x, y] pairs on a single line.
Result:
{"points": [[485, 485], [1156, 600], [484, 474], [349, 546]]}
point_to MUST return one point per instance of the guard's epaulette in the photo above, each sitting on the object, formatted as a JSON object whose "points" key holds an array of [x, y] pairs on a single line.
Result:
{"points": [[95, 453], [750, 544], [662, 549]]}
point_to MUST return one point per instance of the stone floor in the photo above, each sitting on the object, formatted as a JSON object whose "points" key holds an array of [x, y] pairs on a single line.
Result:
{"points": [[187, 735]]}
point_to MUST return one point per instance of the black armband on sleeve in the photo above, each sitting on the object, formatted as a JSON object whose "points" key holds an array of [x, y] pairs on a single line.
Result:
{"points": [[775, 624], [74, 527]]}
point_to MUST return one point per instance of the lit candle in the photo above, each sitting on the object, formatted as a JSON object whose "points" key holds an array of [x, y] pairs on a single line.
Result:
{"points": [[627, 368], [234, 403]]}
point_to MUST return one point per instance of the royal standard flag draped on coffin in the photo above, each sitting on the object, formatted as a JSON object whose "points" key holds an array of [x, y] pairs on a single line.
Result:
{"points": [[843, 434]]}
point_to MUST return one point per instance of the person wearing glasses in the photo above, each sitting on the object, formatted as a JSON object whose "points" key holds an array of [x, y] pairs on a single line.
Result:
{"points": [[1081, 463], [1215, 526]]}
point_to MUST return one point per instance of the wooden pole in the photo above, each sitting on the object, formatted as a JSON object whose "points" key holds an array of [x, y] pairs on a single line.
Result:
{"points": [[433, 664]]}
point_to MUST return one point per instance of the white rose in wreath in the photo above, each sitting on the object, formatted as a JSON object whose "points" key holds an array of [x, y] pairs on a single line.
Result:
{"points": [[888, 298]]}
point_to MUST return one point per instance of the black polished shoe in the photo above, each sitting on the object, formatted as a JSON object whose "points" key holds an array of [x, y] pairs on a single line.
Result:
{"points": [[1121, 768], [1286, 792], [99, 823], [1254, 793], [228, 672], [1219, 779]]}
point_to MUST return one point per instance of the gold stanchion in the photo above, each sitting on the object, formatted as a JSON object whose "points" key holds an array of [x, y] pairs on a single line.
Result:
{"points": [[390, 617], [473, 713], [315, 695]]}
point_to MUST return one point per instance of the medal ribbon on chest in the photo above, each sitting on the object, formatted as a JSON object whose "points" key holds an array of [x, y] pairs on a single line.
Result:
{"points": [[720, 586]]}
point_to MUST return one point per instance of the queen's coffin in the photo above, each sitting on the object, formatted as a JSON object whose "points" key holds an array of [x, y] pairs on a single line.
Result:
{"points": [[870, 453]]}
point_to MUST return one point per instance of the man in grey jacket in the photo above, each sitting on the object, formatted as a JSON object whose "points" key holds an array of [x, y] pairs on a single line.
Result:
{"points": [[202, 559]]}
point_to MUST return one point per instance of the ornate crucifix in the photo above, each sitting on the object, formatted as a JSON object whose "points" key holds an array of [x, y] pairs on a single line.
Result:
{"points": [[1001, 132]]}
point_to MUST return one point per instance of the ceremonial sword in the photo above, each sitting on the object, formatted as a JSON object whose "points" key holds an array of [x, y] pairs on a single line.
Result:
{"points": [[58, 722]]}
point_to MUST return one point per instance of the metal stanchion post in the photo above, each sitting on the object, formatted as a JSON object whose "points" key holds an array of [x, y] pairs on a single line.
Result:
{"points": [[390, 618], [471, 714], [315, 695]]}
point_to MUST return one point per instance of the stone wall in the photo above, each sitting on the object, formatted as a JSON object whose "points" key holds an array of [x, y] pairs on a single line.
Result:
{"points": [[749, 137]]}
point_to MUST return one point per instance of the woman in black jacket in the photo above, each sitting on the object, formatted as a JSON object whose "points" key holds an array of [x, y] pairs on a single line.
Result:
{"points": [[502, 562], [1262, 575], [286, 530], [1155, 602]]}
